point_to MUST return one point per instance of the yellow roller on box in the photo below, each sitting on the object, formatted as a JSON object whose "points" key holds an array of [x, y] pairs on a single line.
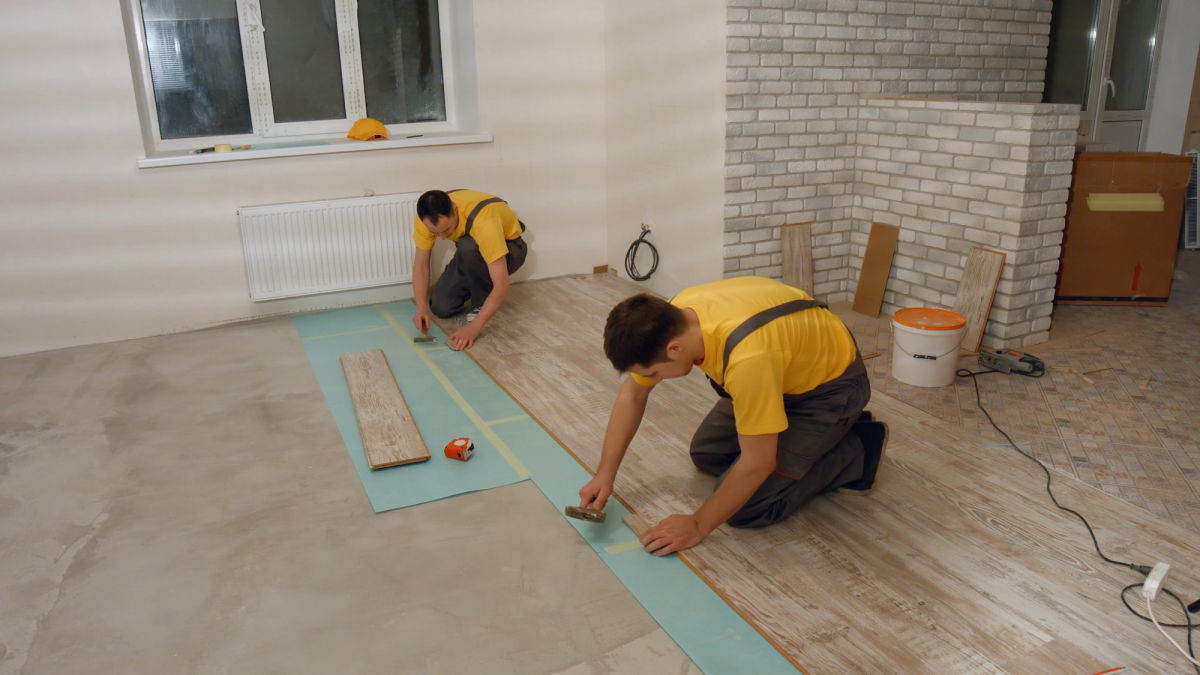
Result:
{"points": [[1125, 201]]}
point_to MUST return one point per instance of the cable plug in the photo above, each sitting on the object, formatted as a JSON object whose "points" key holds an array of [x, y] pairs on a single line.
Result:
{"points": [[1194, 607], [1154, 581], [1144, 570]]}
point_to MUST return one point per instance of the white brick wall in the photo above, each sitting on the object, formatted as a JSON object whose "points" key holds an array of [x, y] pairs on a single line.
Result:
{"points": [[953, 175], [796, 72]]}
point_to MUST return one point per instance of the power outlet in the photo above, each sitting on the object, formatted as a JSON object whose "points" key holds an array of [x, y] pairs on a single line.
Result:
{"points": [[1155, 580]]}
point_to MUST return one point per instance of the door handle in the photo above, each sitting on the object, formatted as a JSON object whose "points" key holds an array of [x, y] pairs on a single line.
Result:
{"points": [[1112, 87]]}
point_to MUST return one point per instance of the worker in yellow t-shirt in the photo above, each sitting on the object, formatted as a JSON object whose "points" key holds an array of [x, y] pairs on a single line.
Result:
{"points": [[789, 423], [488, 249]]}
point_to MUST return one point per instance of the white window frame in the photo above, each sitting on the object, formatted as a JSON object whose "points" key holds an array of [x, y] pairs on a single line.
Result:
{"points": [[259, 87]]}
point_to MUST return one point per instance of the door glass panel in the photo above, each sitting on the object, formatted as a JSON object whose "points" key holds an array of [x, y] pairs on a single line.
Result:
{"points": [[1127, 133], [196, 68], [402, 60], [1072, 46], [303, 60], [1133, 54]]}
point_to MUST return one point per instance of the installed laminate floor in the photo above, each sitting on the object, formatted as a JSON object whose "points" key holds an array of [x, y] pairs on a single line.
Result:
{"points": [[1137, 441], [956, 563]]}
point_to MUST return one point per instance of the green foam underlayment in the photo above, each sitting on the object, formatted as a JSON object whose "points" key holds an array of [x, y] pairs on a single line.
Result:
{"points": [[455, 404]]}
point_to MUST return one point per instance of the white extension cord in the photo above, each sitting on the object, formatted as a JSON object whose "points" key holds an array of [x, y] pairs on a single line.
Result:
{"points": [[1154, 582]]}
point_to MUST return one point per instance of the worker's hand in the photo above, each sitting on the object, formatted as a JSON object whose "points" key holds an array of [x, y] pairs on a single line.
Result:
{"points": [[465, 337], [596, 493], [673, 533], [422, 319]]}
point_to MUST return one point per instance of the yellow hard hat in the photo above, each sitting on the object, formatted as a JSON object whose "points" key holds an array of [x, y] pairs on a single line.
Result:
{"points": [[367, 129]]}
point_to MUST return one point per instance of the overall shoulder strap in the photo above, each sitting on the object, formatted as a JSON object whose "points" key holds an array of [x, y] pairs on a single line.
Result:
{"points": [[758, 321], [475, 212]]}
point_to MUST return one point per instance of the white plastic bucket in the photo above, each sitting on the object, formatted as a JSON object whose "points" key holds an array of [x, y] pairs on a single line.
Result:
{"points": [[925, 346]]}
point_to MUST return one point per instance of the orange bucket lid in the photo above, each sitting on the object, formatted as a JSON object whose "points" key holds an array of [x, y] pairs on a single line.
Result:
{"points": [[928, 318]]}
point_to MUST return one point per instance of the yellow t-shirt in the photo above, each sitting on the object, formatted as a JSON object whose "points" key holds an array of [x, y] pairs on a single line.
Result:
{"points": [[790, 355], [494, 225]]}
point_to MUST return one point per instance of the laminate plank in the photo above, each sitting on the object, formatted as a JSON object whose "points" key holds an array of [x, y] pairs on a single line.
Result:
{"points": [[796, 242], [976, 290], [876, 267], [389, 434], [1058, 658], [956, 563]]}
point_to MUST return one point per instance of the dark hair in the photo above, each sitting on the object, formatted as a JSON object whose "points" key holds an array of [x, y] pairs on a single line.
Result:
{"points": [[639, 329], [433, 205]]}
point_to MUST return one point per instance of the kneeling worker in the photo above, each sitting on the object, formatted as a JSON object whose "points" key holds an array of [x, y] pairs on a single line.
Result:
{"points": [[789, 424], [489, 248]]}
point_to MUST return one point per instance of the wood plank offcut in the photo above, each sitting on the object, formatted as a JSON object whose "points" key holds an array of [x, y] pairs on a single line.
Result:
{"points": [[976, 291], [877, 265], [389, 434], [796, 240]]}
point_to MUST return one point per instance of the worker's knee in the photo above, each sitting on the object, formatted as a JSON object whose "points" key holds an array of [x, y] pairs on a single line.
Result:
{"points": [[713, 464], [762, 515], [757, 519], [444, 309], [445, 303]]}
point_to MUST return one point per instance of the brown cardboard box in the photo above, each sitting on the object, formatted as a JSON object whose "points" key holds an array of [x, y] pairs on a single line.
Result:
{"points": [[1122, 257]]}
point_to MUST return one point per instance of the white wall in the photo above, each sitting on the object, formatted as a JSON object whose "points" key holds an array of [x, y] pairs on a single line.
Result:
{"points": [[1173, 81], [93, 249], [665, 103]]}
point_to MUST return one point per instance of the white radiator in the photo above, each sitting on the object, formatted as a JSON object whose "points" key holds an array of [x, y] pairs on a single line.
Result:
{"points": [[307, 248]]}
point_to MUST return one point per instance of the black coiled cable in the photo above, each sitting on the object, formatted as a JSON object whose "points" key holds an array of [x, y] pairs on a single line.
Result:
{"points": [[631, 256]]}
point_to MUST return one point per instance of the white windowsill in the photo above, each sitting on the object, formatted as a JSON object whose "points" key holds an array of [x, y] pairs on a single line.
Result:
{"points": [[270, 148]]}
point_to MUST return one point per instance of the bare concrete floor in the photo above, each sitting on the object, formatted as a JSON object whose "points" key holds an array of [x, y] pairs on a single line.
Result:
{"points": [[184, 504]]}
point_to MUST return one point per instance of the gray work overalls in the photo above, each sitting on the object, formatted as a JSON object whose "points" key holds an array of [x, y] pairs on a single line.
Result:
{"points": [[817, 452], [466, 275]]}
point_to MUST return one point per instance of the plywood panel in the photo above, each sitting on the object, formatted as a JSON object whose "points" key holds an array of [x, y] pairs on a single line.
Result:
{"points": [[976, 291], [389, 434], [957, 563], [796, 240], [877, 265]]}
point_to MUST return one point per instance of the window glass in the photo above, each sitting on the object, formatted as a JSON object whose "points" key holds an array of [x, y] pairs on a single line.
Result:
{"points": [[1072, 46], [401, 60], [1133, 53], [303, 60], [195, 50]]}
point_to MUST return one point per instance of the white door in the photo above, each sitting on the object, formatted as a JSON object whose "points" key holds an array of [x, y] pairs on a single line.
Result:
{"points": [[1102, 56]]}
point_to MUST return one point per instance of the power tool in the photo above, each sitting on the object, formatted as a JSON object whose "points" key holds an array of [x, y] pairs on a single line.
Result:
{"points": [[1012, 361]]}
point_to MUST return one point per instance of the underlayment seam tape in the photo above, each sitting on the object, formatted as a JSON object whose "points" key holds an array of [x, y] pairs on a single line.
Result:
{"points": [[458, 398], [621, 548], [514, 418]]}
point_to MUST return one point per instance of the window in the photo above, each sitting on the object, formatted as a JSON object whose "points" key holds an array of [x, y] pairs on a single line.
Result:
{"points": [[1102, 56], [239, 71]]}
